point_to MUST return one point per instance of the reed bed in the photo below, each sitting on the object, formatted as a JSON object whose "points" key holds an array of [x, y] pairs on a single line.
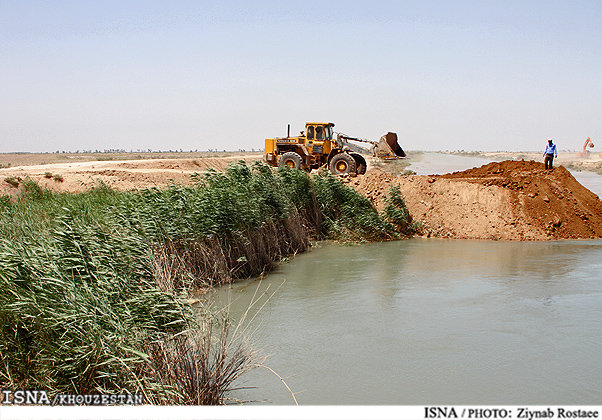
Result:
{"points": [[93, 286]]}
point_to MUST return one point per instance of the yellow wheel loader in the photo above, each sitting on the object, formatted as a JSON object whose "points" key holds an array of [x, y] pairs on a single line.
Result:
{"points": [[316, 147]]}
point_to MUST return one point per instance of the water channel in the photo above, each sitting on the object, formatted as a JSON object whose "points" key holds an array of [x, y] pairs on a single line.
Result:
{"points": [[427, 321]]}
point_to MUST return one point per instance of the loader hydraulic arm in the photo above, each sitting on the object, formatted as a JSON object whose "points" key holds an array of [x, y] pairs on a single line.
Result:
{"points": [[386, 148], [341, 136]]}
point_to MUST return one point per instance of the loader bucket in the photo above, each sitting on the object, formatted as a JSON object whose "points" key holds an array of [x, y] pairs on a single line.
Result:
{"points": [[388, 148]]}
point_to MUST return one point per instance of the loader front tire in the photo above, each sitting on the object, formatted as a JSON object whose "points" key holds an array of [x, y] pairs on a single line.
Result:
{"points": [[342, 164], [291, 160]]}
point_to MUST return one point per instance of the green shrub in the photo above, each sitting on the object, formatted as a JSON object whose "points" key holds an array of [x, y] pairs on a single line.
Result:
{"points": [[346, 214], [398, 214]]}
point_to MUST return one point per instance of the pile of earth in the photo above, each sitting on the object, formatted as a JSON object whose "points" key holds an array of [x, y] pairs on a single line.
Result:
{"points": [[510, 200]]}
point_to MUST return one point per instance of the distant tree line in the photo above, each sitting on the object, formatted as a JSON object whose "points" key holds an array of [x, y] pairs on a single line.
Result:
{"points": [[145, 151]]}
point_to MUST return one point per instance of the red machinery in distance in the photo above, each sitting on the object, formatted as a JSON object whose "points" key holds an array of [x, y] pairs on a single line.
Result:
{"points": [[585, 152]]}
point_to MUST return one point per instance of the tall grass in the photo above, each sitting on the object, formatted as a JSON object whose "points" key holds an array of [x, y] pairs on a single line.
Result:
{"points": [[92, 285], [77, 303], [398, 214]]}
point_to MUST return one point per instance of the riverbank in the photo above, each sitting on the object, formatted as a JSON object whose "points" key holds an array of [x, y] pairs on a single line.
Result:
{"points": [[94, 286]]}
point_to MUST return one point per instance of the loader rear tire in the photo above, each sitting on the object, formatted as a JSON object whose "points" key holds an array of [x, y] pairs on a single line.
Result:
{"points": [[360, 163], [291, 159], [342, 164]]}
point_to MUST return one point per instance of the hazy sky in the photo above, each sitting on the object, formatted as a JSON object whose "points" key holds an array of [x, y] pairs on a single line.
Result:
{"points": [[486, 75]]}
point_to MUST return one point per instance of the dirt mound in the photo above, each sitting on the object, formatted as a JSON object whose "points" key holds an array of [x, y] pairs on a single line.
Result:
{"points": [[510, 200]]}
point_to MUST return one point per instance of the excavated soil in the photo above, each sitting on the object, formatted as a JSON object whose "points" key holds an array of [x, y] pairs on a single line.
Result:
{"points": [[510, 200]]}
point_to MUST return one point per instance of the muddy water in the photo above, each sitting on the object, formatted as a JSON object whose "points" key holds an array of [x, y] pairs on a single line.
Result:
{"points": [[430, 321]]}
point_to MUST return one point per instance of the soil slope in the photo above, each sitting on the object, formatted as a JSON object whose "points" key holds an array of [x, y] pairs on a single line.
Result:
{"points": [[510, 200]]}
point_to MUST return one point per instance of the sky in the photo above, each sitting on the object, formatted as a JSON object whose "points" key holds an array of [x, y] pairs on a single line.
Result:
{"points": [[161, 75]]}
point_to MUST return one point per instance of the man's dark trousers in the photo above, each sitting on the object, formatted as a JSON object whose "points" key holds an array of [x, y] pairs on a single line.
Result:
{"points": [[548, 161]]}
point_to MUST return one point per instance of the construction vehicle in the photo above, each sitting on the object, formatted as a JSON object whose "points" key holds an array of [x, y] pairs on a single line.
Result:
{"points": [[316, 147], [585, 152]]}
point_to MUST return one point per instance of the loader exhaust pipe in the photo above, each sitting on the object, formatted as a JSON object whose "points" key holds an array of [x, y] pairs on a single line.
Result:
{"points": [[288, 131]]}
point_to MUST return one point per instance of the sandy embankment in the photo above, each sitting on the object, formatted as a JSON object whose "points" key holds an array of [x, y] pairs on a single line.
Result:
{"points": [[510, 200]]}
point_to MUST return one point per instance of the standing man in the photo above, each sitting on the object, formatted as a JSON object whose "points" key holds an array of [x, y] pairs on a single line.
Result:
{"points": [[550, 154]]}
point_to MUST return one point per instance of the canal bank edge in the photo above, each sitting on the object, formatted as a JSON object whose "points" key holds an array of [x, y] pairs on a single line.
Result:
{"points": [[510, 200]]}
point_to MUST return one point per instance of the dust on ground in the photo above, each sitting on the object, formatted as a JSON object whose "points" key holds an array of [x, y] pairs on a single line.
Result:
{"points": [[509, 200], [393, 166]]}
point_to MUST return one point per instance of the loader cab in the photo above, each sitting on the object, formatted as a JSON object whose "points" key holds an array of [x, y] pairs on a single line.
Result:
{"points": [[319, 131]]}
